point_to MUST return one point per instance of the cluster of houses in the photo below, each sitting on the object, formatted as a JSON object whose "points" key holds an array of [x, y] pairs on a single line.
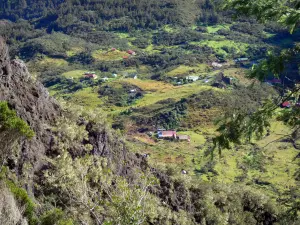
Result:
{"points": [[192, 78], [92, 75], [218, 65], [171, 134]]}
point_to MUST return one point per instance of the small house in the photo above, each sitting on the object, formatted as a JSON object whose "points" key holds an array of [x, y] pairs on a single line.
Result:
{"points": [[125, 57], [113, 49], [131, 52], [286, 104], [90, 75], [241, 60], [183, 137], [105, 79], [167, 134], [115, 75], [132, 91], [192, 78]]}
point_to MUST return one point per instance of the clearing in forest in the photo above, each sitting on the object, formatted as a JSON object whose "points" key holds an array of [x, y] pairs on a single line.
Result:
{"points": [[186, 70], [109, 55], [74, 73]]}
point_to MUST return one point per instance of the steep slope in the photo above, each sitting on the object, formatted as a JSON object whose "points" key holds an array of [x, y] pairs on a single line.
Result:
{"points": [[33, 104], [73, 169]]}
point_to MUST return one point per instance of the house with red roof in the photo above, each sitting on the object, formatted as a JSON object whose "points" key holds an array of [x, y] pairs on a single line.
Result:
{"points": [[131, 52], [286, 104], [167, 134], [91, 75]]}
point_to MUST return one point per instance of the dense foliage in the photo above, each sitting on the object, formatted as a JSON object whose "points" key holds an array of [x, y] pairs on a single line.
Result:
{"points": [[12, 129], [110, 15]]}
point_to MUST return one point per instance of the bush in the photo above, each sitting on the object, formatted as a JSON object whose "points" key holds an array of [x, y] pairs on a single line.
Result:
{"points": [[55, 216], [10, 211], [23, 198], [10, 121]]}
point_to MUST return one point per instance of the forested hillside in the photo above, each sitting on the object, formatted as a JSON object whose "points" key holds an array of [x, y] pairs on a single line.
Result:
{"points": [[166, 112], [106, 15]]}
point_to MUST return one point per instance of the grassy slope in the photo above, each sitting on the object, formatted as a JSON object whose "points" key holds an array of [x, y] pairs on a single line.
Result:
{"points": [[214, 29], [279, 165], [108, 55], [188, 70], [176, 92], [74, 73], [218, 44]]}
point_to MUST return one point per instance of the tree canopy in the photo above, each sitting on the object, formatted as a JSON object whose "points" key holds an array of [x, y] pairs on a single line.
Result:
{"points": [[240, 127], [285, 12]]}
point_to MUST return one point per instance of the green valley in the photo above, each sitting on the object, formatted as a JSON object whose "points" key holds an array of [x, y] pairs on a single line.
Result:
{"points": [[165, 89]]}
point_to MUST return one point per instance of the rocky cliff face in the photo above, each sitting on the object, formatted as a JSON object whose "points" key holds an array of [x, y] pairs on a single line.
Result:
{"points": [[33, 104]]}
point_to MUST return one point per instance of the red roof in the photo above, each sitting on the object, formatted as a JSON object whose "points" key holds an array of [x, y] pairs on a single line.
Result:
{"points": [[113, 49], [286, 104], [168, 133], [125, 57], [90, 75], [130, 52]]}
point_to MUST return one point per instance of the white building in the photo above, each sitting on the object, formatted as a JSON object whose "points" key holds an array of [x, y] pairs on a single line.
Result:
{"points": [[193, 78], [105, 79]]}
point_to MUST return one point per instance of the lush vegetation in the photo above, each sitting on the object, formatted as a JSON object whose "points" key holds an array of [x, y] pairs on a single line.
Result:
{"points": [[12, 130], [188, 73]]}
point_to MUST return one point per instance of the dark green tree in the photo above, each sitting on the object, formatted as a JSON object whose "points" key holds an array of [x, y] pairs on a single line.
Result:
{"points": [[12, 129]]}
